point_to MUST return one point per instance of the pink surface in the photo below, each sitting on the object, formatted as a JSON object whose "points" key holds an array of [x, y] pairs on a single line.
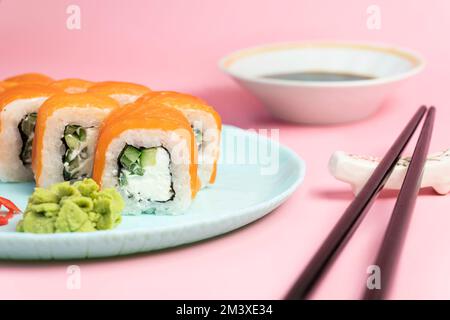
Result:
{"points": [[176, 45]]}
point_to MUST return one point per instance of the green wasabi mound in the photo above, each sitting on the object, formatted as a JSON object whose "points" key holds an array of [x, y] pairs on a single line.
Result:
{"points": [[78, 207]]}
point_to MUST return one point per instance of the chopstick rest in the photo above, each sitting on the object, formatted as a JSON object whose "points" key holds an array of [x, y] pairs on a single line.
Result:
{"points": [[355, 170], [395, 234], [354, 214]]}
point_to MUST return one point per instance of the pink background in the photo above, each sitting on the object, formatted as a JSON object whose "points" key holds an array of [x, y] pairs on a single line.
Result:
{"points": [[169, 44]]}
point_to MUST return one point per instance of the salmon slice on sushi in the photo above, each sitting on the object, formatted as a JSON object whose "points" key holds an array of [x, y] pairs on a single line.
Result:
{"points": [[148, 153], [72, 85], [122, 92], [4, 85], [66, 134], [30, 78], [18, 112], [205, 122]]}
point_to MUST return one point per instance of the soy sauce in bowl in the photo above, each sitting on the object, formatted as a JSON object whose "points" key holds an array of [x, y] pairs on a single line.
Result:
{"points": [[322, 76], [319, 82]]}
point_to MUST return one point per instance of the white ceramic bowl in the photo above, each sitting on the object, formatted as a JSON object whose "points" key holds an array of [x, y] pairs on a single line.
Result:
{"points": [[320, 102]]}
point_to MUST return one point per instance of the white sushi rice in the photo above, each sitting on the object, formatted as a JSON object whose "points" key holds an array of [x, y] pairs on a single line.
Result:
{"points": [[178, 150], [210, 145], [53, 147], [11, 166]]}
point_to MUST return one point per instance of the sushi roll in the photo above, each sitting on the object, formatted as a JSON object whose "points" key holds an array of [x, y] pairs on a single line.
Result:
{"points": [[30, 78], [205, 123], [65, 136], [148, 153], [18, 111], [122, 92], [72, 85]]}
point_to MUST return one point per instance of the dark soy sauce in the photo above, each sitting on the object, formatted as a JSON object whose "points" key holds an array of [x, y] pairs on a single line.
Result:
{"points": [[318, 76]]}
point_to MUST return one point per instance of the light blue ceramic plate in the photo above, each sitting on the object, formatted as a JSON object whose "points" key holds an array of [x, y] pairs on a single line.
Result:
{"points": [[255, 176]]}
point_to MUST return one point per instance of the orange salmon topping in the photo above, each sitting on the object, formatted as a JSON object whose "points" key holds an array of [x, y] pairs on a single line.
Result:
{"points": [[6, 85], [25, 91], [145, 115], [182, 102], [72, 85], [30, 78], [60, 101], [115, 87]]}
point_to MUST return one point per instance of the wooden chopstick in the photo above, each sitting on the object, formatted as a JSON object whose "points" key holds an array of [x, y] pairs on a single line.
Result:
{"points": [[396, 231], [354, 214]]}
